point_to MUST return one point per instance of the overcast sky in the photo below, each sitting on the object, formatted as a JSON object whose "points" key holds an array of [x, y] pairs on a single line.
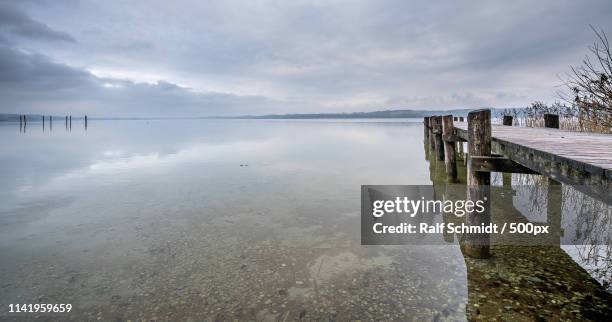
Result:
{"points": [[187, 58]]}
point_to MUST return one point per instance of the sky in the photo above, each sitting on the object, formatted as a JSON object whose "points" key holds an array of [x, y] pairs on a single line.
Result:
{"points": [[221, 58]]}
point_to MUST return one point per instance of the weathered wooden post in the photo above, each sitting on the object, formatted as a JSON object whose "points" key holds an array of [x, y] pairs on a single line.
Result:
{"points": [[478, 183], [426, 128], [551, 120], [449, 148], [507, 120], [66, 122], [432, 143], [50, 123], [70, 122], [437, 131], [43, 119], [20, 121], [85, 122]]}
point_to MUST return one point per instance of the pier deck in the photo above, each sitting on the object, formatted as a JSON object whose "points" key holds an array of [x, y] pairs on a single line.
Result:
{"points": [[575, 158]]}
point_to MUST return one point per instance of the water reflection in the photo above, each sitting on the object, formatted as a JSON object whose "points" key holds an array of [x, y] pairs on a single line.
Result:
{"points": [[159, 220]]}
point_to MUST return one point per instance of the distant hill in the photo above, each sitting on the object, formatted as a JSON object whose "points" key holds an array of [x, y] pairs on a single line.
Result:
{"points": [[353, 115], [358, 115]]}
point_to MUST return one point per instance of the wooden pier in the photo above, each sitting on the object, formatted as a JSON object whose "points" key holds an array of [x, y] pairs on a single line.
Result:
{"points": [[575, 158], [583, 160]]}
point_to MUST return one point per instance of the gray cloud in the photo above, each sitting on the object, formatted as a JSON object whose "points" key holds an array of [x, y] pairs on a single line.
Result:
{"points": [[34, 83], [301, 56], [15, 22]]}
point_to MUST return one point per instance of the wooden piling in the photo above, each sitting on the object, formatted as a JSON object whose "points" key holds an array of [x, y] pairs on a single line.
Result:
{"points": [[50, 122], [437, 131], [70, 122], [432, 143], [43, 123], [85, 122], [426, 128], [479, 144], [551, 120], [507, 120], [450, 158]]}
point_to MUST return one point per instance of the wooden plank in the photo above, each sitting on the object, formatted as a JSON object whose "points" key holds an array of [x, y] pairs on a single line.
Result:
{"points": [[498, 164], [578, 147], [581, 159]]}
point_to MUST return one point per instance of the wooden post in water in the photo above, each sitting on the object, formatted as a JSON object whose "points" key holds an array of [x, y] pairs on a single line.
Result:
{"points": [[507, 120], [426, 128], [50, 123], [43, 118], [437, 131], [551, 120], [432, 143], [70, 122], [478, 183], [20, 121], [85, 122], [450, 158]]}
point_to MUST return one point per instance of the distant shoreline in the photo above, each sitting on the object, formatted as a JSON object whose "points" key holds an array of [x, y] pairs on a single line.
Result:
{"points": [[387, 114]]}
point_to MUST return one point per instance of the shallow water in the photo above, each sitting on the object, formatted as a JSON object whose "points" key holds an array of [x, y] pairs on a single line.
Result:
{"points": [[248, 220]]}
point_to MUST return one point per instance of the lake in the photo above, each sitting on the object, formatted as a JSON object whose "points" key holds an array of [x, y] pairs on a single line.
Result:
{"points": [[252, 220]]}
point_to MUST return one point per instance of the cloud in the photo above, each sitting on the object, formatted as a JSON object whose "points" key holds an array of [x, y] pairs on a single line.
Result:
{"points": [[35, 83], [300, 56], [17, 23]]}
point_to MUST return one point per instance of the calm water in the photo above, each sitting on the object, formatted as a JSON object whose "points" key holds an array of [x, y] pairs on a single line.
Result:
{"points": [[248, 220]]}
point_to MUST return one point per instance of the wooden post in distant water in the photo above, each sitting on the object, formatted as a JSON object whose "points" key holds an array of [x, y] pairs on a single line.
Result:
{"points": [[507, 120], [50, 122], [70, 122], [551, 120], [85, 122], [426, 128], [66, 122], [450, 159], [478, 183], [437, 131], [43, 118]]}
